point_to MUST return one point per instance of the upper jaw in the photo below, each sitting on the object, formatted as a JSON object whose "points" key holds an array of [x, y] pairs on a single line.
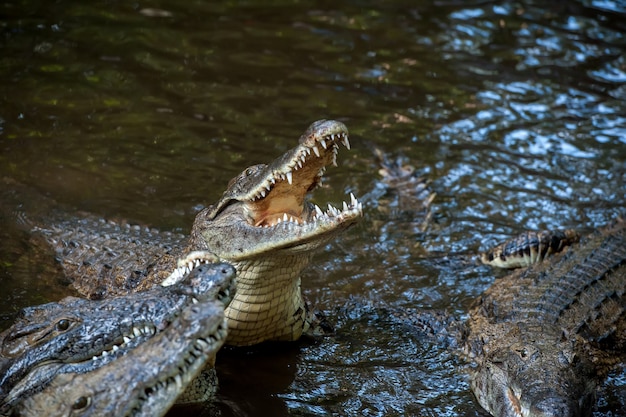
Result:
{"points": [[275, 193]]}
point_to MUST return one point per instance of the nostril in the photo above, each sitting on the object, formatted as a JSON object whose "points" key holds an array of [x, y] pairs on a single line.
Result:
{"points": [[555, 406]]}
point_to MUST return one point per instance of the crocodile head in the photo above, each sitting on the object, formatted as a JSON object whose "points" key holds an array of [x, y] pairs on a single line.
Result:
{"points": [[266, 228], [144, 380], [540, 376], [78, 335], [266, 204]]}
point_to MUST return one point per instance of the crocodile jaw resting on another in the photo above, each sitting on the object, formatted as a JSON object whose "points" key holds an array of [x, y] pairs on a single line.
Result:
{"points": [[143, 381], [76, 336], [264, 227]]}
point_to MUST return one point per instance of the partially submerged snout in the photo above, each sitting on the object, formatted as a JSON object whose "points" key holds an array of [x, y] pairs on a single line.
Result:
{"points": [[554, 404], [534, 380]]}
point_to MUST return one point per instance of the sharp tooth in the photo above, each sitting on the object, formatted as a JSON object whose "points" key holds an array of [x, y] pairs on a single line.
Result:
{"points": [[345, 206], [289, 177], [323, 143], [127, 339], [136, 331], [319, 211], [345, 141], [307, 151], [330, 209], [115, 348], [273, 180], [353, 200], [94, 358], [105, 353], [263, 193], [285, 218], [316, 151], [299, 163], [335, 159]]}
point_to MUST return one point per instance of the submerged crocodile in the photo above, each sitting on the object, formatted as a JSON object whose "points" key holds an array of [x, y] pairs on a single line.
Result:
{"points": [[543, 338], [144, 380], [77, 336], [262, 224]]}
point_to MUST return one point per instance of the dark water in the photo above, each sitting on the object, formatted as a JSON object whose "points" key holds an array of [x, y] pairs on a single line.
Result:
{"points": [[516, 111]]}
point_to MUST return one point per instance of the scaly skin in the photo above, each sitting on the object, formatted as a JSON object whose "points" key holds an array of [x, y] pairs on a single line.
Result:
{"points": [[529, 248], [542, 337], [77, 335], [144, 380], [263, 225], [276, 235]]}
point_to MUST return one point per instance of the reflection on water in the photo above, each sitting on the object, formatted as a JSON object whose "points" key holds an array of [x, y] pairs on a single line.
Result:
{"points": [[514, 112]]}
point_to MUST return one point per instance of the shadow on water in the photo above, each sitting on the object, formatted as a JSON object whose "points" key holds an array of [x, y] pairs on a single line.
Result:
{"points": [[514, 112]]}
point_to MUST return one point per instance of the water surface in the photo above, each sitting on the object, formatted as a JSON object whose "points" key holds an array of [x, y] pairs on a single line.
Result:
{"points": [[514, 111]]}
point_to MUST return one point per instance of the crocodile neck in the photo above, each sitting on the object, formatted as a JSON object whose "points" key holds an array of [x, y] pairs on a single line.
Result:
{"points": [[268, 303]]}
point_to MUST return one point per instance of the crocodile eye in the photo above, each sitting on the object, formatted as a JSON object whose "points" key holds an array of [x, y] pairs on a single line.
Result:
{"points": [[63, 325], [81, 403]]}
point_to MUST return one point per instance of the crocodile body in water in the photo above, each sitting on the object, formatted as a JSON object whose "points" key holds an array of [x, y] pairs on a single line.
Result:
{"points": [[77, 336], [543, 338], [262, 224], [144, 380]]}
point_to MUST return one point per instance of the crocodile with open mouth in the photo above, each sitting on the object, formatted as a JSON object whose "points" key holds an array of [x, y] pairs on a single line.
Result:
{"points": [[262, 224], [79, 336]]}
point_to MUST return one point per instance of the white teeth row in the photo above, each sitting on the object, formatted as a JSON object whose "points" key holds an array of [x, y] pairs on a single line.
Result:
{"points": [[182, 270], [199, 347], [285, 218], [137, 331], [342, 136], [354, 206], [302, 160]]}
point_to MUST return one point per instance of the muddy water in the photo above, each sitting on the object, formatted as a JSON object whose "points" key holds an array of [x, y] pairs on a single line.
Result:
{"points": [[515, 112]]}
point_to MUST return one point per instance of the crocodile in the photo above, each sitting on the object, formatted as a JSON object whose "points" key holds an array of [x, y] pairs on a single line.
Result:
{"points": [[77, 335], [262, 224], [144, 380], [529, 248], [541, 339]]}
